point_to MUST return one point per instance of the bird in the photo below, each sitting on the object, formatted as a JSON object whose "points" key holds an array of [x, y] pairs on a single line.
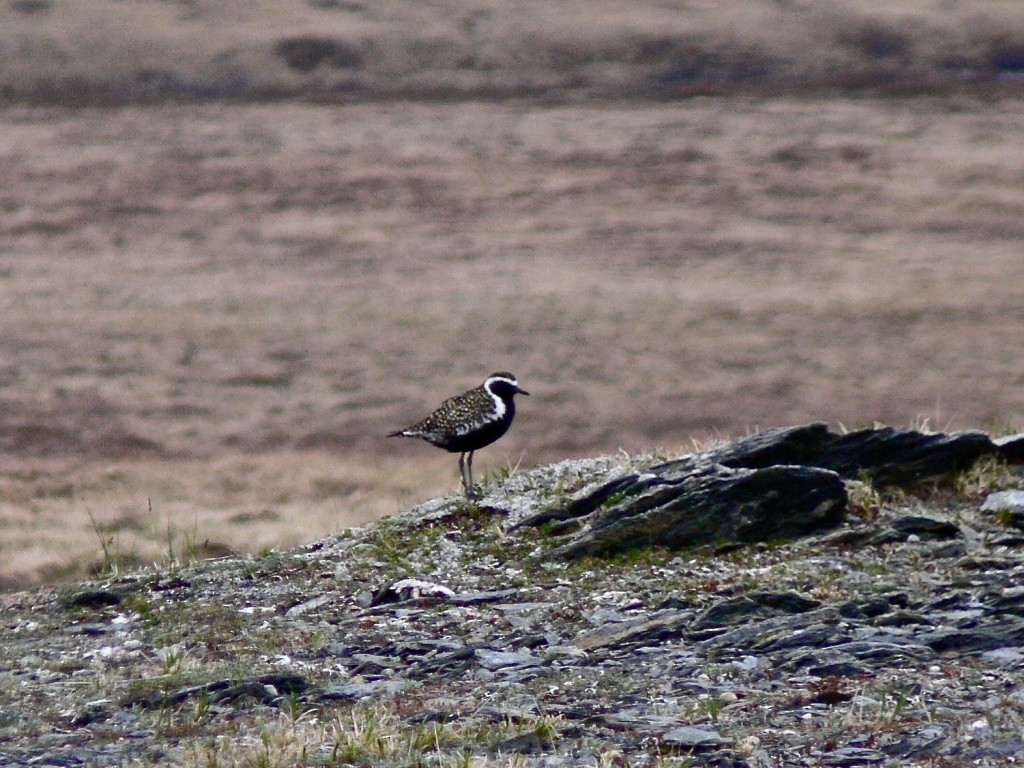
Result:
{"points": [[468, 422]]}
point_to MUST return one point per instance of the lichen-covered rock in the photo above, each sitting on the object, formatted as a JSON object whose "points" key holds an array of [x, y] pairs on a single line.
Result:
{"points": [[709, 506], [885, 455], [778, 484]]}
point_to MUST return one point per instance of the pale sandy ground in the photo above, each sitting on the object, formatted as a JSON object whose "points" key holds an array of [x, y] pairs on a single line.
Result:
{"points": [[218, 310]]}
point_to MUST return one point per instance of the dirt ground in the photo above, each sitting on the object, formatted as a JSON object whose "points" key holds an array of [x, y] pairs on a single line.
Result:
{"points": [[213, 313]]}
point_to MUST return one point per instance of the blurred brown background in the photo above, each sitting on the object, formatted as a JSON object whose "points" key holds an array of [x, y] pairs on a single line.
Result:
{"points": [[239, 244]]}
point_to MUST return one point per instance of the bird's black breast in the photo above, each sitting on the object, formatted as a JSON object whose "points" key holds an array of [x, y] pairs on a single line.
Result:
{"points": [[481, 436]]}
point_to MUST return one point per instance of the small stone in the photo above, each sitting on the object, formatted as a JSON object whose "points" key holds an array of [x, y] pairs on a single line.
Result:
{"points": [[480, 598], [925, 741], [498, 659], [605, 616], [747, 663], [665, 626], [839, 668], [980, 728], [359, 691], [852, 756], [1008, 500], [1008, 503], [691, 737], [308, 606], [1005, 658]]}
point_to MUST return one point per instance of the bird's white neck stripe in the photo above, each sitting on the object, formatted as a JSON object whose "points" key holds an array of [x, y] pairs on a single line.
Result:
{"points": [[499, 404]]}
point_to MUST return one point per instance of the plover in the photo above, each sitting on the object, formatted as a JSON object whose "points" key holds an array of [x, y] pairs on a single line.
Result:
{"points": [[467, 422]]}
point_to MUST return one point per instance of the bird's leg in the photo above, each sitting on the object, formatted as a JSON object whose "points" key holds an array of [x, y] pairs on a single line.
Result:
{"points": [[462, 471], [466, 470]]}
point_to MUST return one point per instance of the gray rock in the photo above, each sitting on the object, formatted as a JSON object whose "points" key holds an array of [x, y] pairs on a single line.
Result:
{"points": [[902, 619], [263, 688], [852, 756], [1011, 447], [1009, 500], [781, 446], [764, 631], [93, 628], [866, 608], [308, 606], [1007, 631], [872, 650], [885, 455], [692, 737], [712, 505], [814, 636], [1000, 750], [680, 637], [891, 456], [924, 742], [652, 630], [832, 665], [752, 605], [964, 619], [1004, 658], [450, 664], [373, 689], [372, 662], [902, 528], [777, 484], [95, 712], [479, 598], [1009, 600], [1007, 505], [493, 660], [524, 744]]}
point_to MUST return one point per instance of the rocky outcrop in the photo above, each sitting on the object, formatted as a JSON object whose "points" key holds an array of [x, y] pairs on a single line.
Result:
{"points": [[884, 455], [778, 484], [712, 505]]}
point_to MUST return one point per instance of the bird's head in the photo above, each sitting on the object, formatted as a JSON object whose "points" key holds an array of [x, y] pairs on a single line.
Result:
{"points": [[504, 385]]}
